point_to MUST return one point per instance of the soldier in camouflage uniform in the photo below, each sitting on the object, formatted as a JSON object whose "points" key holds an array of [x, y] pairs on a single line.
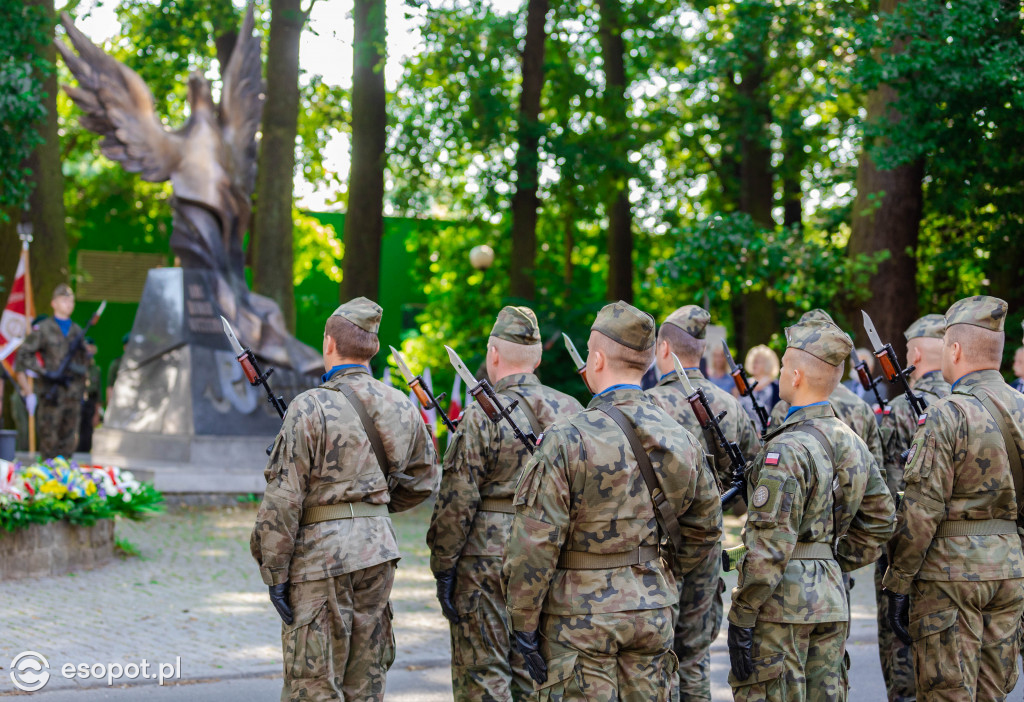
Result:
{"points": [[924, 352], [589, 595], [60, 398], [853, 411], [956, 566], [818, 506], [349, 453], [683, 334], [473, 512]]}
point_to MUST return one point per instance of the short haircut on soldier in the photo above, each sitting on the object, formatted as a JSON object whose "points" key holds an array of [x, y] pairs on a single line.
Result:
{"points": [[352, 341], [519, 355], [688, 348], [818, 374], [930, 348], [982, 347], [622, 357]]}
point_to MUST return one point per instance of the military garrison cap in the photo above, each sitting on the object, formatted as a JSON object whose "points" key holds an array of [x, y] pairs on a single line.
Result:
{"points": [[626, 325], [981, 311], [931, 326], [518, 325], [817, 314], [62, 290], [692, 319], [364, 313], [821, 339]]}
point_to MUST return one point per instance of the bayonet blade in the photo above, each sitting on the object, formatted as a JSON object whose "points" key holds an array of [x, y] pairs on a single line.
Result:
{"points": [[468, 378], [728, 357], [103, 306], [855, 357], [869, 327], [400, 362], [571, 347], [681, 372], [232, 339]]}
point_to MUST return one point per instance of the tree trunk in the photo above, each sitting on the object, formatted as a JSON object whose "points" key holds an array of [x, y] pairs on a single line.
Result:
{"points": [[760, 316], [887, 216], [620, 212], [364, 222], [272, 240], [525, 201], [49, 253]]}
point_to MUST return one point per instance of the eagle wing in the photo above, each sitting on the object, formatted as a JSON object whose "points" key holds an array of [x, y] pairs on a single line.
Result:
{"points": [[118, 106], [241, 105]]}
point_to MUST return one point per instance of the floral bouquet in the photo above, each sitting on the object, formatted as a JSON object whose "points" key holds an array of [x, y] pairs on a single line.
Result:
{"points": [[61, 489]]}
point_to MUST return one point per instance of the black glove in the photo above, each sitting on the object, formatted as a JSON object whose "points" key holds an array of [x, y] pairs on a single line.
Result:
{"points": [[446, 594], [741, 644], [899, 616], [279, 598], [528, 644]]}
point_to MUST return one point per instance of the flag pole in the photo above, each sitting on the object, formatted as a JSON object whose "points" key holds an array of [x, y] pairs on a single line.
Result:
{"points": [[25, 232]]}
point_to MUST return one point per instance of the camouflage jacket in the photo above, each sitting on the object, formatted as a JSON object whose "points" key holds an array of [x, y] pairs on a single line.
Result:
{"points": [[483, 461], [958, 470], [322, 457], [583, 491], [49, 341], [900, 424], [853, 412], [737, 425], [791, 500]]}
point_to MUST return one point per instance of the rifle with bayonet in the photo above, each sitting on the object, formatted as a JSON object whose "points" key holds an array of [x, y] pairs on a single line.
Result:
{"points": [[422, 391], [711, 424], [581, 366], [866, 381], [489, 401], [253, 373], [745, 388], [891, 366], [60, 378]]}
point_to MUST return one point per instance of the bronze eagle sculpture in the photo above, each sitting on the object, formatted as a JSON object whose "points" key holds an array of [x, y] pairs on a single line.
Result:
{"points": [[210, 162]]}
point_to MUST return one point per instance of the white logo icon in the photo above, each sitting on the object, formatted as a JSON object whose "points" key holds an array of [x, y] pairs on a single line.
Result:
{"points": [[30, 671]]}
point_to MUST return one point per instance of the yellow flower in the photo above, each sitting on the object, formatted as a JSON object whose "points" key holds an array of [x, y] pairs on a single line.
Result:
{"points": [[90, 488], [52, 487]]}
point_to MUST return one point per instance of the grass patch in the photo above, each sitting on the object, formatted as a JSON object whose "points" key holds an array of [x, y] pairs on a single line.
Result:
{"points": [[123, 548]]}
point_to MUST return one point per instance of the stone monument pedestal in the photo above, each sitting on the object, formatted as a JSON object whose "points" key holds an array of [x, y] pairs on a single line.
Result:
{"points": [[182, 413]]}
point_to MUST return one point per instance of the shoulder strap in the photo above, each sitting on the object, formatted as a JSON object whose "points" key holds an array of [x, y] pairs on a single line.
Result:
{"points": [[837, 489], [368, 426], [1012, 452], [663, 512], [527, 410]]}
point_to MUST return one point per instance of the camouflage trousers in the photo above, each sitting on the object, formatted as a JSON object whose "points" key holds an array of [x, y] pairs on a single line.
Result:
{"points": [[796, 663], [697, 623], [623, 656], [57, 424], [485, 665], [966, 638], [896, 657], [341, 643]]}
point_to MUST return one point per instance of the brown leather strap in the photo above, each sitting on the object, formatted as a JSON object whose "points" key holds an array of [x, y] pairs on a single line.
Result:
{"points": [[976, 527], [527, 410], [344, 510], [663, 511], [494, 504], [581, 560], [1012, 452], [368, 426], [808, 551]]}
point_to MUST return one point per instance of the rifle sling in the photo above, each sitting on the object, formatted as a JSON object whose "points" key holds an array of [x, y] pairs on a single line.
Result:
{"points": [[663, 511], [368, 426], [837, 490], [1012, 452], [527, 410]]}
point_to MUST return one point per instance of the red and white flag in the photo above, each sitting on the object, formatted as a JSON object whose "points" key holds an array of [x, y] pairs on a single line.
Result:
{"points": [[455, 406], [14, 320]]}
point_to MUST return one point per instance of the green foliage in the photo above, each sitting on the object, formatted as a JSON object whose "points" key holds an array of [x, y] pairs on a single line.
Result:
{"points": [[125, 548], [23, 67], [82, 511]]}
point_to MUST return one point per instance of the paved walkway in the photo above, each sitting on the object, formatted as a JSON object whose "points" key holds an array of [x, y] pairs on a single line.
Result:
{"points": [[195, 593]]}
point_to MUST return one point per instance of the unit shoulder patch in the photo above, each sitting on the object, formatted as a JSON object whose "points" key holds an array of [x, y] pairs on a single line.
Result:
{"points": [[761, 494]]}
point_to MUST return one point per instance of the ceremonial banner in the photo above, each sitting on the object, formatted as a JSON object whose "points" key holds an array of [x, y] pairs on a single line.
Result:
{"points": [[14, 320]]}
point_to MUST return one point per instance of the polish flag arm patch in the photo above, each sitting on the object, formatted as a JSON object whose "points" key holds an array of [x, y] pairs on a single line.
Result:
{"points": [[922, 419], [771, 459]]}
